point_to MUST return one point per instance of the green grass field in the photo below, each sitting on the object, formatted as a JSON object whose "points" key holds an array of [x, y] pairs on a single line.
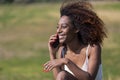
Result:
{"points": [[24, 33]]}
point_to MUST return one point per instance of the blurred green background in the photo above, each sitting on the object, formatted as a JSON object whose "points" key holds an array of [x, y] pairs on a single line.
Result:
{"points": [[25, 30]]}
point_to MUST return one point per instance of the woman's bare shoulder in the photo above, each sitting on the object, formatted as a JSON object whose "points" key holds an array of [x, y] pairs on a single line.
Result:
{"points": [[95, 50]]}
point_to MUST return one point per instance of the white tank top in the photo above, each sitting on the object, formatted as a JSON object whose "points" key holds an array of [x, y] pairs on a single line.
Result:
{"points": [[85, 67]]}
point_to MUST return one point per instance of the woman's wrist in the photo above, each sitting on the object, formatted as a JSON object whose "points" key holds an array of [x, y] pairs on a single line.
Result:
{"points": [[65, 61], [52, 56]]}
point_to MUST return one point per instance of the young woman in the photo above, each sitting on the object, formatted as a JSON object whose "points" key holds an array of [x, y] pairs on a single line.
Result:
{"points": [[80, 33]]}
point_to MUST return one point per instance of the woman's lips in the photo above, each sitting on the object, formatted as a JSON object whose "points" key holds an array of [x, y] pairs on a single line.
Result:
{"points": [[61, 36]]}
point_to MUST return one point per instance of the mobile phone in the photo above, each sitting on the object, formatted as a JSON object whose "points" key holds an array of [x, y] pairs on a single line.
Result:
{"points": [[56, 43]]}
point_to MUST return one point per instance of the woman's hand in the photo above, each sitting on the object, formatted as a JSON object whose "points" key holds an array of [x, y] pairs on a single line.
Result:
{"points": [[48, 66], [53, 49]]}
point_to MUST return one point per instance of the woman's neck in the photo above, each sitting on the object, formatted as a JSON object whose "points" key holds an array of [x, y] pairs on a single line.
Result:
{"points": [[74, 46]]}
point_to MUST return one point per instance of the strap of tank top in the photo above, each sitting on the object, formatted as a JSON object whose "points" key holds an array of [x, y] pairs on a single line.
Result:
{"points": [[87, 50], [63, 52]]}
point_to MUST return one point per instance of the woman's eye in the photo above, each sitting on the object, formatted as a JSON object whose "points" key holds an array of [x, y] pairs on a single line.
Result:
{"points": [[64, 26]]}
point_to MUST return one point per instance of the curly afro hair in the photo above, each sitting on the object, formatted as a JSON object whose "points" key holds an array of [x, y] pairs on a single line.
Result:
{"points": [[91, 27]]}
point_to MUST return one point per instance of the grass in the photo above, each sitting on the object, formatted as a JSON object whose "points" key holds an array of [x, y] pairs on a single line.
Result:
{"points": [[24, 33]]}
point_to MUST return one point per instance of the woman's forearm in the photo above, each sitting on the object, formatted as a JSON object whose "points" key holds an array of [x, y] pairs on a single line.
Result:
{"points": [[80, 74], [55, 70], [52, 57]]}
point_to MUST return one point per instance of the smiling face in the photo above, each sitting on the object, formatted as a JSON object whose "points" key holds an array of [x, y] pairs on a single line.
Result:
{"points": [[65, 30]]}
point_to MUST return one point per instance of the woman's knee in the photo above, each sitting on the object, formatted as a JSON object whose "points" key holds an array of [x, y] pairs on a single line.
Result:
{"points": [[64, 75], [61, 75]]}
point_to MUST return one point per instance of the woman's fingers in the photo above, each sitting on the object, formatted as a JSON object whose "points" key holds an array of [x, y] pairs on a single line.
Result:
{"points": [[51, 41], [49, 66], [53, 37]]}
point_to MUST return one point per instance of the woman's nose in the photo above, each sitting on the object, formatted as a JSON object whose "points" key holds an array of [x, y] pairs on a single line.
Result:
{"points": [[59, 30]]}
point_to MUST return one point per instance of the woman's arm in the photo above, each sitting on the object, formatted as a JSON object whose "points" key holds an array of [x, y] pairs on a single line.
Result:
{"points": [[53, 56], [57, 59], [94, 61], [56, 63]]}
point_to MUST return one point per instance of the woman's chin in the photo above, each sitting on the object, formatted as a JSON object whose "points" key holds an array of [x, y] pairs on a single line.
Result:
{"points": [[61, 41]]}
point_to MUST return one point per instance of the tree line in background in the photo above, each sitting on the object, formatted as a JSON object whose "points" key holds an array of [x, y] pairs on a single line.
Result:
{"points": [[27, 1], [32, 1]]}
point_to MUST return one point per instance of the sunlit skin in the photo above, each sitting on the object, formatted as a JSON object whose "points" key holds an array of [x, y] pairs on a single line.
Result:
{"points": [[66, 33], [65, 30], [75, 54]]}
